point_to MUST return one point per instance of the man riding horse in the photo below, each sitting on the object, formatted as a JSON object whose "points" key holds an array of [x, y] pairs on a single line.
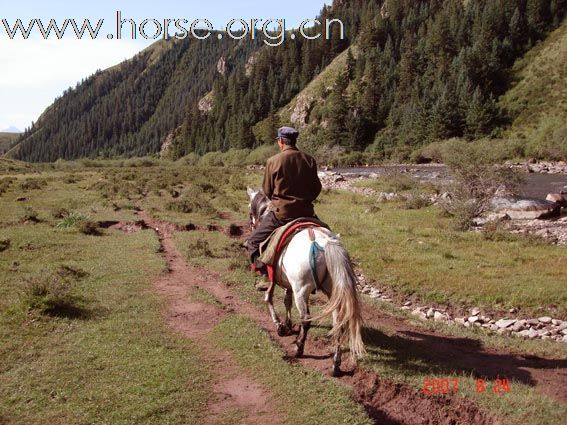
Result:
{"points": [[292, 184]]}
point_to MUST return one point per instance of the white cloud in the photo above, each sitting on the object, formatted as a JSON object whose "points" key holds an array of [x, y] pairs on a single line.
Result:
{"points": [[34, 72]]}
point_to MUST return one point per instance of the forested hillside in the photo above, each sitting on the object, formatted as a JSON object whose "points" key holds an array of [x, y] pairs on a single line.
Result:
{"points": [[6, 141], [408, 73], [129, 109], [421, 72]]}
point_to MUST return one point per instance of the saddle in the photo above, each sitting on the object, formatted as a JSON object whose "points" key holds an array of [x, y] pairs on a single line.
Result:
{"points": [[271, 248]]}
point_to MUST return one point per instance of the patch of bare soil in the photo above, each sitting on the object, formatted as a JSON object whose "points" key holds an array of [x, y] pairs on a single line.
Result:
{"points": [[392, 404], [233, 390], [385, 401]]}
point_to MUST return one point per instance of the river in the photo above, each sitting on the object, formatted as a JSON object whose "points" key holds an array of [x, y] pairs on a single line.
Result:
{"points": [[535, 185]]}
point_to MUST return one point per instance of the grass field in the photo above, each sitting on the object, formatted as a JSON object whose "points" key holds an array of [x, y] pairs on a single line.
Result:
{"points": [[90, 349], [390, 356], [83, 333]]}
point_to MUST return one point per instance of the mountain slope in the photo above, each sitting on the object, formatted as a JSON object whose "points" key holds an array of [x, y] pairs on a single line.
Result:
{"points": [[128, 109], [537, 103], [408, 73], [6, 141]]}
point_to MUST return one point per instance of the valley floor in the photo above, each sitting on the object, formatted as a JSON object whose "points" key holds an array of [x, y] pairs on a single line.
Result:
{"points": [[148, 314]]}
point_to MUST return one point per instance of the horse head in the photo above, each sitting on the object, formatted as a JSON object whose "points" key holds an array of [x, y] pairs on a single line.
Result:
{"points": [[259, 206]]}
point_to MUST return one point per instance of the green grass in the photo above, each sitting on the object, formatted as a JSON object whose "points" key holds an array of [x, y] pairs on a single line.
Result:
{"points": [[94, 350], [102, 354], [417, 252], [405, 360]]}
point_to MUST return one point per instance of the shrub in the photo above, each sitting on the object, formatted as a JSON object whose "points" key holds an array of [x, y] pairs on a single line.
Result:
{"points": [[88, 227], [212, 159], [71, 219], [200, 248], [5, 184], [51, 294], [475, 181], [260, 155], [30, 215], [235, 157], [416, 201], [4, 244], [31, 184], [547, 141], [191, 159], [398, 182]]}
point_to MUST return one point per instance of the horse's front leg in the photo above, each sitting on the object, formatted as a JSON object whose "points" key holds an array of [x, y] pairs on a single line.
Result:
{"points": [[269, 299]]}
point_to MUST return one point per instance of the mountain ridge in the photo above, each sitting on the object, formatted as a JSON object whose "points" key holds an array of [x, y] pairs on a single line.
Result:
{"points": [[407, 74]]}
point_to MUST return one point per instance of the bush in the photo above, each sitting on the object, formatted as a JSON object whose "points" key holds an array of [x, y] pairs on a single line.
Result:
{"points": [[191, 159], [88, 227], [31, 184], [51, 294], [212, 159], [475, 181], [70, 219], [260, 155], [547, 141], [5, 184], [4, 244], [235, 157], [417, 201], [30, 215]]}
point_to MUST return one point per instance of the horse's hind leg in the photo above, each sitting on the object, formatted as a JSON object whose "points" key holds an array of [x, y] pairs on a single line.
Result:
{"points": [[302, 303], [288, 300], [337, 356]]}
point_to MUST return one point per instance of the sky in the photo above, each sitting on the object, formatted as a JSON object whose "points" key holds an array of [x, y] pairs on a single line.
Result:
{"points": [[35, 71]]}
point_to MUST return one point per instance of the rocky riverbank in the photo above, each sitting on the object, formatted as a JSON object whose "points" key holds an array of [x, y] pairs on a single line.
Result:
{"points": [[540, 167], [545, 219], [543, 328]]}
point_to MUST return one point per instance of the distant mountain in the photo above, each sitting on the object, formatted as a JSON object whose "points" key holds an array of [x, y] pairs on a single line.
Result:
{"points": [[407, 74], [11, 129]]}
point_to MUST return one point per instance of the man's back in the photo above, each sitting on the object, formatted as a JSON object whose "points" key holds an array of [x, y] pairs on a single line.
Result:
{"points": [[291, 182]]}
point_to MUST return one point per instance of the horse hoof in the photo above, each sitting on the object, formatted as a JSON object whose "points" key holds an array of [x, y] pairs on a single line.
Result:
{"points": [[336, 371], [283, 330], [299, 352]]}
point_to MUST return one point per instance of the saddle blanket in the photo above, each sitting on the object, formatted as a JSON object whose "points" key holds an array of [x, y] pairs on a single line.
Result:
{"points": [[270, 248]]}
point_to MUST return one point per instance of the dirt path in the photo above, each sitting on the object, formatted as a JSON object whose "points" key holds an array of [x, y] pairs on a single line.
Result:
{"points": [[386, 402], [233, 390]]}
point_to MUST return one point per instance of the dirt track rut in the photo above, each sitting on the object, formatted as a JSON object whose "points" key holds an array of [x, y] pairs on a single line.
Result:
{"points": [[386, 402]]}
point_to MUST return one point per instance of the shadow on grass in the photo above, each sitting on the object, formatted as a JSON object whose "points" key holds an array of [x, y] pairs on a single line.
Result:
{"points": [[70, 310], [423, 353]]}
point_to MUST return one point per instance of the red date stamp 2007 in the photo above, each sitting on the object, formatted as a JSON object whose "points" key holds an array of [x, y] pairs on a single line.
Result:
{"points": [[451, 385]]}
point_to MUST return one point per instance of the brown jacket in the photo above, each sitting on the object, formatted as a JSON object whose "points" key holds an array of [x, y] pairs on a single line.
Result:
{"points": [[291, 182]]}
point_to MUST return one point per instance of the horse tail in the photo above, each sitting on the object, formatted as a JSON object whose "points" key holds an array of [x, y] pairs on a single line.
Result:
{"points": [[344, 299]]}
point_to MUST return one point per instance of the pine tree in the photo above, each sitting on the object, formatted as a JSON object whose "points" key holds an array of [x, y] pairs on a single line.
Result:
{"points": [[337, 111]]}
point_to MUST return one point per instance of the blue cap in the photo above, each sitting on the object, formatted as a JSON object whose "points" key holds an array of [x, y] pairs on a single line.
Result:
{"points": [[288, 133]]}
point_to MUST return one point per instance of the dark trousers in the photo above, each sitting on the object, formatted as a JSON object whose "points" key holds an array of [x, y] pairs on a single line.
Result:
{"points": [[261, 233]]}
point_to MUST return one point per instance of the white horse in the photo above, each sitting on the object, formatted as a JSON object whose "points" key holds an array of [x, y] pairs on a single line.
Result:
{"points": [[332, 269]]}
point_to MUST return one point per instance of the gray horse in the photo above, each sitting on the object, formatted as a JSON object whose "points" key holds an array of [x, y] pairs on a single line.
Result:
{"points": [[296, 270]]}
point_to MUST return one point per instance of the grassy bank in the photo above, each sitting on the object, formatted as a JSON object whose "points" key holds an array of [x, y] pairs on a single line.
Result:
{"points": [[82, 333]]}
